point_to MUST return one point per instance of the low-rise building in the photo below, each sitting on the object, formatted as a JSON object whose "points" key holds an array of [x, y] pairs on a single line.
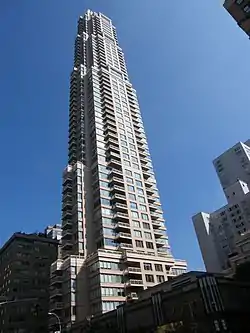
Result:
{"points": [[25, 261], [193, 302], [240, 11]]}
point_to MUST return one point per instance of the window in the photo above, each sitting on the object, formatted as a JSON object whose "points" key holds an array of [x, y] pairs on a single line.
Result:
{"points": [[137, 176], [132, 196], [149, 245], [147, 266], [131, 188], [138, 243], [136, 224], [125, 156], [158, 267], [146, 225], [160, 278], [105, 202], [135, 166], [148, 235], [137, 233], [140, 191], [143, 208], [144, 216], [138, 183], [141, 199], [129, 180], [149, 278], [133, 205], [239, 2], [246, 9], [134, 214], [128, 172]]}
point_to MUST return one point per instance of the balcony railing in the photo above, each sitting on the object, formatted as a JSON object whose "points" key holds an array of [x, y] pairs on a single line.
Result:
{"points": [[133, 282]]}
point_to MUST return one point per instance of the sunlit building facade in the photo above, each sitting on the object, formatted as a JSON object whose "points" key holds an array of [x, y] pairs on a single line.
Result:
{"points": [[114, 240]]}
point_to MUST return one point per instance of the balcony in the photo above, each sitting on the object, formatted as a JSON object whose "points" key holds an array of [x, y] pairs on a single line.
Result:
{"points": [[66, 215], [156, 224], [133, 296], [134, 283], [67, 204], [56, 306], [159, 233], [67, 224], [160, 242], [119, 197], [125, 246], [114, 163], [56, 280], [67, 234], [117, 180], [116, 172], [121, 216], [114, 142], [55, 293], [132, 270], [120, 207], [113, 148], [118, 189], [67, 245], [121, 225], [122, 235]]}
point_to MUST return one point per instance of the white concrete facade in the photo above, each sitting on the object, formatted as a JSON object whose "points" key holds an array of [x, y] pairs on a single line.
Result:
{"points": [[111, 207], [219, 232]]}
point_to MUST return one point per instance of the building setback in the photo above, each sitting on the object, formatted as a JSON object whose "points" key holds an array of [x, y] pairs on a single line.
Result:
{"points": [[240, 11], [114, 241], [194, 302], [25, 261], [220, 232]]}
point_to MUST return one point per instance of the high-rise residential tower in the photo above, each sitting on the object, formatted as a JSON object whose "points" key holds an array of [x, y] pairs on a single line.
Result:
{"points": [[114, 240]]}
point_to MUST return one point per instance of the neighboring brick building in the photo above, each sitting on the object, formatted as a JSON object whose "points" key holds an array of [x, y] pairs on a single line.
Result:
{"points": [[25, 261], [240, 11], [193, 302]]}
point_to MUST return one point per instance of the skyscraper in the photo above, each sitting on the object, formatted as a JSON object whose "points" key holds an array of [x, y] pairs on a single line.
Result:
{"points": [[114, 240]]}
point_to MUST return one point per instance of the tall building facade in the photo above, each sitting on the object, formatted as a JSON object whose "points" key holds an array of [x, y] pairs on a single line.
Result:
{"points": [[240, 11], [114, 240], [220, 232]]}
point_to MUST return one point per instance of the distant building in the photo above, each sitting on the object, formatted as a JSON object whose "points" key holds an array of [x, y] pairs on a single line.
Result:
{"points": [[219, 232], [25, 261], [240, 11], [193, 302], [54, 232]]}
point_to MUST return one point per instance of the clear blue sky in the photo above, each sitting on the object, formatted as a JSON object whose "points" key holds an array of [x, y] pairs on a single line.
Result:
{"points": [[189, 64]]}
